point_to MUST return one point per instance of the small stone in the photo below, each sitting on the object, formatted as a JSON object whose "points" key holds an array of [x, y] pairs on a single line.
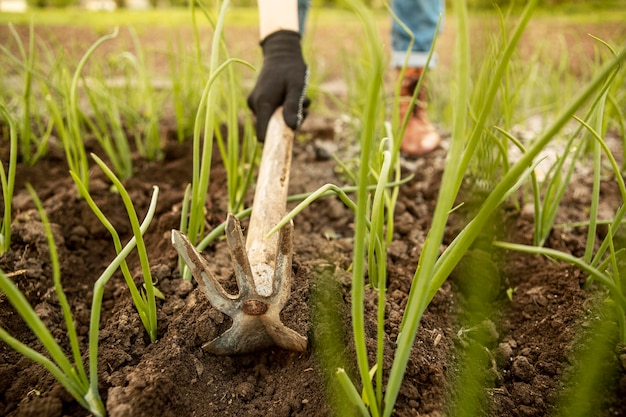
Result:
{"points": [[80, 230], [528, 211], [183, 288], [504, 353], [325, 149], [244, 390], [117, 379], [160, 272], [522, 369], [398, 250], [38, 406], [284, 410], [414, 404], [404, 223]]}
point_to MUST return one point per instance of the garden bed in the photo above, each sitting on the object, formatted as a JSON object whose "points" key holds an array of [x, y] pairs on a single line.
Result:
{"points": [[531, 331], [534, 334]]}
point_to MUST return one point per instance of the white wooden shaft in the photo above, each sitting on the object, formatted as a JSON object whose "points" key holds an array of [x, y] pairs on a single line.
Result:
{"points": [[270, 202]]}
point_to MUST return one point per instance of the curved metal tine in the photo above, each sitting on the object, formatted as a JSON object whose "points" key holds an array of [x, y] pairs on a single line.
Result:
{"points": [[246, 335], [241, 264], [282, 273], [282, 335], [216, 294]]}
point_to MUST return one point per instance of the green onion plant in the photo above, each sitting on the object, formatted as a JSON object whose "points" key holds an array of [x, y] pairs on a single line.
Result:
{"points": [[598, 265], [434, 268], [238, 154], [329, 337], [616, 112], [68, 370], [203, 135], [150, 145], [7, 180], [33, 140], [479, 278], [491, 159], [75, 147], [594, 370], [28, 57], [203, 140], [144, 297], [59, 91], [559, 176], [186, 87], [239, 150], [106, 125], [370, 243]]}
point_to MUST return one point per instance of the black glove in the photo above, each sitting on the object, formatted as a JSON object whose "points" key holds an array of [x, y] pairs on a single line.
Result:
{"points": [[282, 81]]}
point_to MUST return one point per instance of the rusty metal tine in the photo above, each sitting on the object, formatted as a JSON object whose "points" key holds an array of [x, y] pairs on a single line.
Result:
{"points": [[243, 273], [282, 273], [282, 335], [216, 294], [247, 334]]}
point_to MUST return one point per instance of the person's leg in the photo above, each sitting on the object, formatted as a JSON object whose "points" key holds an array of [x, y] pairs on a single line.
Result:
{"points": [[303, 8], [420, 17]]}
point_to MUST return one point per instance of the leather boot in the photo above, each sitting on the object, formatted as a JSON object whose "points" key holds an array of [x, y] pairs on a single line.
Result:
{"points": [[420, 136]]}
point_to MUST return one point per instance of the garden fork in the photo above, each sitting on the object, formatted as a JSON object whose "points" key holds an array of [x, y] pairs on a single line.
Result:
{"points": [[262, 267]]}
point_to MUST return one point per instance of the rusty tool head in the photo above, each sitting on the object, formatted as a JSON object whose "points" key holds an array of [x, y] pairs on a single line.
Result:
{"points": [[256, 318], [262, 266]]}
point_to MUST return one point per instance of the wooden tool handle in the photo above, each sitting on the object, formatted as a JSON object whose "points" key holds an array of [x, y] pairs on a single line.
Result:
{"points": [[270, 201]]}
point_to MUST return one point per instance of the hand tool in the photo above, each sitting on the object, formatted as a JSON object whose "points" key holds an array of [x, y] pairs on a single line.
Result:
{"points": [[263, 266]]}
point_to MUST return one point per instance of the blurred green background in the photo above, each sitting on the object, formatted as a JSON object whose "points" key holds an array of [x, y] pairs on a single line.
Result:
{"points": [[554, 5]]}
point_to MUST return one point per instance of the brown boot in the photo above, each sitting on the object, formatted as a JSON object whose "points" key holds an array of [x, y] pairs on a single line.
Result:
{"points": [[420, 136]]}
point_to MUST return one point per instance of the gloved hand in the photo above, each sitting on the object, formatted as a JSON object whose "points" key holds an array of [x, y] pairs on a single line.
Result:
{"points": [[282, 81]]}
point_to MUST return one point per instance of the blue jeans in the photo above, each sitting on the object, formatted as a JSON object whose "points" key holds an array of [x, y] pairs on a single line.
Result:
{"points": [[303, 9], [420, 16]]}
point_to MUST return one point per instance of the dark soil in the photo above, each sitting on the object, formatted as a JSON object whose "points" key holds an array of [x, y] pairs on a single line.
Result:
{"points": [[529, 342]]}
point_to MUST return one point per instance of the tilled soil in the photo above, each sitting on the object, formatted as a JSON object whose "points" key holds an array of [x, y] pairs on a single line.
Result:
{"points": [[529, 340]]}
